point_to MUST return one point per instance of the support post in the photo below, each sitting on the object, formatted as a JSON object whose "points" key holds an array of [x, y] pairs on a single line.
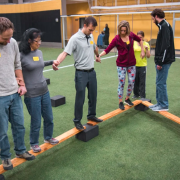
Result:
{"points": [[117, 21], [63, 33], [132, 22], [174, 21]]}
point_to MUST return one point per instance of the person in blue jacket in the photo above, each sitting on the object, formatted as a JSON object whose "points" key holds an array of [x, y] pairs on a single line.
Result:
{"points": [[100, 41]]}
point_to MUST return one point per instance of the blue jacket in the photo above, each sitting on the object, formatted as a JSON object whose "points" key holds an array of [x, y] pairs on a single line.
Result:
{"points": [[100, 41]]}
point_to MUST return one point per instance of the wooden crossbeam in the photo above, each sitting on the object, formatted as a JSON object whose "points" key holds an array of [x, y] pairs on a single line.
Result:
{"points": [[44, 147], [164, 113], [114, 113]]}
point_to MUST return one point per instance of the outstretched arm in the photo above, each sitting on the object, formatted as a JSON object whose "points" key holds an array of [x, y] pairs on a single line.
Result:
{"points": [[60, 59], [142, 50], [102, 54]]}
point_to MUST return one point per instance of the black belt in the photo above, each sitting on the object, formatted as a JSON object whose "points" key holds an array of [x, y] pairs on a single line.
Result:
{"points": [[89, 70]]}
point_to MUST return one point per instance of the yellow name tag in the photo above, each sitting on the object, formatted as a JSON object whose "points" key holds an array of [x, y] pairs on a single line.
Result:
{"points": [[91, 42], [0, 54], [127, 42], [36, 58]]}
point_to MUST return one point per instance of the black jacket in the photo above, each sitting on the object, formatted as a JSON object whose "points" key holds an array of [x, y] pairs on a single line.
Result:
{"points": [[164, 51]]}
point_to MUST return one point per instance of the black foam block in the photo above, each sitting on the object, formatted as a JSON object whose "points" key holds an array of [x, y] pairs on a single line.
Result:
{"points": [[2, 177], [58, 100], [89, 133], [48, 81], [142, 107]]}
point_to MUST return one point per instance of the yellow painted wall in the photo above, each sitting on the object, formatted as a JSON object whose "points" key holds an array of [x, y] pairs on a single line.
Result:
{"points": [[78, 8], [31, 7], [141, 22]]}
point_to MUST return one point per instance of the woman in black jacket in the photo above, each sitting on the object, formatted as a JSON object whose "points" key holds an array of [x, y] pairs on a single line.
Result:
{"points": [[106, 37]]}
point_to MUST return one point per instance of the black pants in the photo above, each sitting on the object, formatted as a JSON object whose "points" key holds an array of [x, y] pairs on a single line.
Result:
{"points": [[140, 82], [83, 80], [106, 39]]}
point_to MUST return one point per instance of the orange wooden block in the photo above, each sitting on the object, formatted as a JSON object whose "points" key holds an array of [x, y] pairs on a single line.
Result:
{"points": [[44, 147], [164, 113], [114, 113]]}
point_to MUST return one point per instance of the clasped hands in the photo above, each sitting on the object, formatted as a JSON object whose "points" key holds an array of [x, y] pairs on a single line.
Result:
{"points": [[98, 59], [55, 65], [22, 88]]}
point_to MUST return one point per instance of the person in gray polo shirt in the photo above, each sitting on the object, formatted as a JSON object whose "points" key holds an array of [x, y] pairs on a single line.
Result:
{"points": [[82, 46]]}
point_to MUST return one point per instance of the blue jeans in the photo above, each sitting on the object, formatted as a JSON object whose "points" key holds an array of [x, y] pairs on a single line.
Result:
{"points": [[11, 109], [161, 87], [37, 106]]}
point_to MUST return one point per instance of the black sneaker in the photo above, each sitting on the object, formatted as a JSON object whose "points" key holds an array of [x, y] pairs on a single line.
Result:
{"points": [[7, 164], [95, 119], [79, 126], [121, 106], [128, 102], [2, 177], [135, 97]]}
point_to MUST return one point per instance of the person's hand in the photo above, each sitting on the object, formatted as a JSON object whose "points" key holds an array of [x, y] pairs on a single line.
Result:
{"points": [[146, 47], [159, 67], [20, 81], [142, 54], [22, 90], [98, 59], [55, 65]]}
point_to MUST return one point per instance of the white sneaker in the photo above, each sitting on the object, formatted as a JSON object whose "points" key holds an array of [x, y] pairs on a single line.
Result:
{"points": [[52, 141], [159, 108], [153, 106], [36, 148]]}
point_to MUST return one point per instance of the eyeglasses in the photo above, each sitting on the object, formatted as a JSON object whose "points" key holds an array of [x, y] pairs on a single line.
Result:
{"points": [[123, 30], [38, 41]]}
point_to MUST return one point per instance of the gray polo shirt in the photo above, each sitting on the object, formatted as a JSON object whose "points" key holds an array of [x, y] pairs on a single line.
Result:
{"points": [[82, 50]]}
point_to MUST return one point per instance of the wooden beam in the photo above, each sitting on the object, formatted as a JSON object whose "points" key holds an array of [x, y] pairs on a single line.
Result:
{"points": [[44, 147], [114, 113], [164, 113]]}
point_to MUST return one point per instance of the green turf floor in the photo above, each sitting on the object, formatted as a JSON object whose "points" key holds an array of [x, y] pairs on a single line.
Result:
{"points": [[131, 146]]}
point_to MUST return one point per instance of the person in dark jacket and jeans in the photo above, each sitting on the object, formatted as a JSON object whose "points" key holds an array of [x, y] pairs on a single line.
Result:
{"points": [[126, 60], [164, 56], [106, 37]]}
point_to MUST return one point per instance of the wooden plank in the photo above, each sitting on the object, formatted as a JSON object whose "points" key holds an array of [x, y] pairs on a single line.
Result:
{"points": [[44, 147], [164, 113], [114, 113]]}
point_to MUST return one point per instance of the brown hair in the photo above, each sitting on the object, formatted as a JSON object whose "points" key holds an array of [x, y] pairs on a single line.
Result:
{"points": [[141, 33], [90, 20], [5, 24], [158, 12], [124, 24]]}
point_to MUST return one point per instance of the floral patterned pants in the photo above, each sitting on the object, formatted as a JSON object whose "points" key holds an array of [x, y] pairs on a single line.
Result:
{"points": [[131, 72]]}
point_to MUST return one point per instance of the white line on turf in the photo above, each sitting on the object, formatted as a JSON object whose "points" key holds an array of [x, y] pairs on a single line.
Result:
{"points": [[73, 64]]}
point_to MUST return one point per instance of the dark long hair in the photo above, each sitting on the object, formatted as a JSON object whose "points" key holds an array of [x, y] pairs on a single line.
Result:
{"points": [[24, 45]]}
